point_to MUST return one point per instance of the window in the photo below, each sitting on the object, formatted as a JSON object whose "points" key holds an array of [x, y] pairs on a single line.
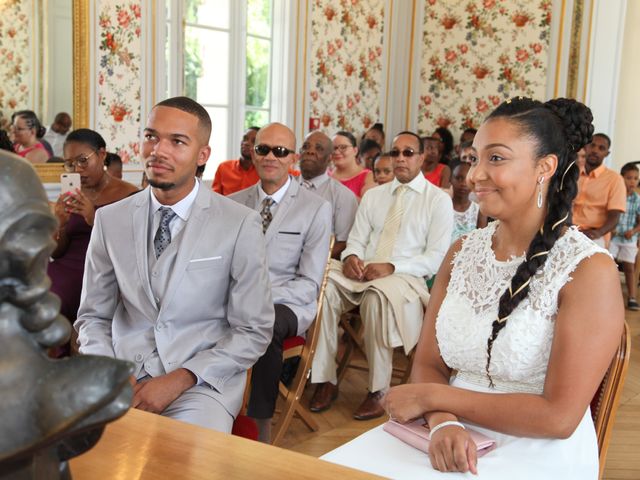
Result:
{"points": [[220, 53]]}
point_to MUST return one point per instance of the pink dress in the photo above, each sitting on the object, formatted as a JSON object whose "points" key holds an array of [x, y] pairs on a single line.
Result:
{"points": [[22, 151], [356, 182]]}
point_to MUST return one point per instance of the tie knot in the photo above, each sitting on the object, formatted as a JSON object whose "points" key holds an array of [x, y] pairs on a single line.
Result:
{"points": [[401, 190], [308, 184], [267, 202], [166, 214]]}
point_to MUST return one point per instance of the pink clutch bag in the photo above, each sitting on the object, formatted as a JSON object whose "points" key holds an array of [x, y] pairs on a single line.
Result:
{"points": [[416, 434]]}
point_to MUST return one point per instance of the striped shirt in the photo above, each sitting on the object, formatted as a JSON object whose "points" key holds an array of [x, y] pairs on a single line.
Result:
{"points": [[628, 219]]}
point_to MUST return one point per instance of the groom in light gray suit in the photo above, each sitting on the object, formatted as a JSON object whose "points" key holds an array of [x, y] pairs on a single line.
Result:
{"points": [[297, 226], [167, 277]]}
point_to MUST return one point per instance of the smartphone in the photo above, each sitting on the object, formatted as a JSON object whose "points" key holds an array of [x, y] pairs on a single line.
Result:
{"points": [[69, 182]]}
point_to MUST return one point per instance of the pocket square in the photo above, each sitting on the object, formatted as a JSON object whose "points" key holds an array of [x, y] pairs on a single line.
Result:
{"points": [[195, 260]]}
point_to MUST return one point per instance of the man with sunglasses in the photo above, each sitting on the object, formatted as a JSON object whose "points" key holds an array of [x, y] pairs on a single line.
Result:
{"points": [[168, 276], [315, 155], [297, 226], [401, 234]]}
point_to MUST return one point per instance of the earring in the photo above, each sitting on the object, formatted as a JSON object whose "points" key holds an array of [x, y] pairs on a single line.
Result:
{"points": [[540, 182]]}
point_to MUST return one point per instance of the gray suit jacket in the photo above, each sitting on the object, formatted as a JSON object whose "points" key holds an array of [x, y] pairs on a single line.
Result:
{"points": [[216, 318], [297, 248]]}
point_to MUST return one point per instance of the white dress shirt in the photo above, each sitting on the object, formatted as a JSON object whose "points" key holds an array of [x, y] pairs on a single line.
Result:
{"points": [[181, 208], [425, 231]]}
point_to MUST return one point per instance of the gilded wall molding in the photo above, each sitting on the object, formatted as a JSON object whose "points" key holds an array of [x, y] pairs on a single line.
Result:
{"points": [[573, 67], [81, 67]]}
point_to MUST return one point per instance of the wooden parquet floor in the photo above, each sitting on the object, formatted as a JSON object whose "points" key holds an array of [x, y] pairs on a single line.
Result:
{"points": [[337, 426]]}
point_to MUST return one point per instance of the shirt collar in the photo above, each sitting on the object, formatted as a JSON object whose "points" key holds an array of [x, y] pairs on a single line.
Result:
{"points": [[181, 208], [596, 172], [418, 184], [317, 181], [278, 195]]}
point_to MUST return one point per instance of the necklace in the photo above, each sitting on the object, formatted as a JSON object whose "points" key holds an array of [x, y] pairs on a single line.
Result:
{"points": [[97, 190]]}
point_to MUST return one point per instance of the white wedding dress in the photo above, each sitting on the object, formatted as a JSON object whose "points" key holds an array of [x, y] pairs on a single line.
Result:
{"points": [[518, 364]]}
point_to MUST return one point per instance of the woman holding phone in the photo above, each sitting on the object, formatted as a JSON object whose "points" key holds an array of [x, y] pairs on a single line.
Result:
{"points": [[84, 153]]}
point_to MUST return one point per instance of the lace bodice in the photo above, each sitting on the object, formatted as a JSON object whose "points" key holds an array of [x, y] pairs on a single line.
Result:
{"points": [[521, 352]]}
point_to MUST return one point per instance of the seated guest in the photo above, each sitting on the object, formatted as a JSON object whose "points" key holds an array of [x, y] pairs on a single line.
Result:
{"points": [[235, 175], [297, 228], [445, 144], [26, 130], [466, 137], [401, 233], [347, 169], [383, 169], [367, 151], [375, 133], [511, 310], [85, 151], [624, 243], [466, 152], [57, 132], [466, 214], [437, 173], [168, 274], [113, 162], [315, 155], [601, 194]]}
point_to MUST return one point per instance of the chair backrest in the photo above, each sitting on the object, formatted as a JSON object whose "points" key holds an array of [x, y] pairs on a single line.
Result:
{"points": [[607, 398]]}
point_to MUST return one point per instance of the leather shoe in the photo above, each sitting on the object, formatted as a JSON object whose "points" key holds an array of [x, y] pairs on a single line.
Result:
{"points": [[323, 397], [371, 407]]}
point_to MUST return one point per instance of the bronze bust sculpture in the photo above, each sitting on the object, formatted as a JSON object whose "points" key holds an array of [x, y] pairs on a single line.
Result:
{"points": [[50, 410]]}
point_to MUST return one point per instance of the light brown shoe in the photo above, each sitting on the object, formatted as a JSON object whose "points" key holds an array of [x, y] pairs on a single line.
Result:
{"points": [[323, 397], [371, 407]]}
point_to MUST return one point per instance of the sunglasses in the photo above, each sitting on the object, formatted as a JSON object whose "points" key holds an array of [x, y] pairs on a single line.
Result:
{"points": [[70, 164], [278, 152], [407, 153]]}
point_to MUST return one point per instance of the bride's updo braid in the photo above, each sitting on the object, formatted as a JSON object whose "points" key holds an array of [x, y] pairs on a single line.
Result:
{"points": [[561, 127]]}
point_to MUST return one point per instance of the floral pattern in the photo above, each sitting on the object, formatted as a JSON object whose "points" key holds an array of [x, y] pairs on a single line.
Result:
{"points": [[346, 64], [477, 53], [16, 72], [119, 81]]}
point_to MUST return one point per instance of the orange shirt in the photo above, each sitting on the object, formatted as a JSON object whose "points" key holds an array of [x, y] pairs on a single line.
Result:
{"points": [[599, 191], [231, 177]]}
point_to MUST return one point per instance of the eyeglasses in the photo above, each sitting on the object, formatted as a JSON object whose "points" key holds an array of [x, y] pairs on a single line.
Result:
{"points": [[70, 164], [341, 148], [407, 153], [278, 152], [19, 129]]}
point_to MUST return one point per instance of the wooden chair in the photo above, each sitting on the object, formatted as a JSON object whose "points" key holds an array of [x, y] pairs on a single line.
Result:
{"points": [[607, 398], [244, 426], [305, 349]]}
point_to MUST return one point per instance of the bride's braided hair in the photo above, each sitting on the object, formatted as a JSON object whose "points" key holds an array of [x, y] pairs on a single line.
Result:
{"points": [[562, 127]]}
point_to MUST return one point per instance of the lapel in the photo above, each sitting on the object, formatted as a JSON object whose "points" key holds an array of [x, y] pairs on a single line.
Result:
{"points": [[140, 227], [191, 235], [281, 213]]}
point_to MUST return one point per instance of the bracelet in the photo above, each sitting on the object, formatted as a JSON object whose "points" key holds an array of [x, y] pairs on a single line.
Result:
{"points": [[448, 423]]}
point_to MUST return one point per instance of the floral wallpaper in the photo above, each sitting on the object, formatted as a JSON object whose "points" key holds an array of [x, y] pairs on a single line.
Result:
{"points": [[477, 53], [119, 79], [346, 66], [16, 70]]}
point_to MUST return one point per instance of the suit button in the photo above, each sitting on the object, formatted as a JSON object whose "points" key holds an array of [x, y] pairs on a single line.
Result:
{"points": [[139, 357], [154, 274]]}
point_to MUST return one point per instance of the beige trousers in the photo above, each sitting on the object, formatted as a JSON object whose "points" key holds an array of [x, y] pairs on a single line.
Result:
{"points": [[381, 335]]}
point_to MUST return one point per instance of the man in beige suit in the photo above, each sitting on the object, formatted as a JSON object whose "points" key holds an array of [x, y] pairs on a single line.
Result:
{"points": [[401, 234], [167, 277], [297, 227]]}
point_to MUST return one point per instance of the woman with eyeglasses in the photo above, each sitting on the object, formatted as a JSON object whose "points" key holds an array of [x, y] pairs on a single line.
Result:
{"points": [[84, 153], [347, 169], [26, 130]]}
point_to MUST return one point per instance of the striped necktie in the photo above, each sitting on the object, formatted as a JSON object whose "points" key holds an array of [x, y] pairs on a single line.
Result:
{"points": [[391, 227]]}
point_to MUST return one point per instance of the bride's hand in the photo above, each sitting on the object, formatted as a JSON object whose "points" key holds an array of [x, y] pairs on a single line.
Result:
{"points": [[406, 402], [452, 449]]}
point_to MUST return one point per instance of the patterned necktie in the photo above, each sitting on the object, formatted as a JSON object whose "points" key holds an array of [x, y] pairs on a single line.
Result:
{"points": [[163, 235], [391, 227], [308, 184], [265, 213]]}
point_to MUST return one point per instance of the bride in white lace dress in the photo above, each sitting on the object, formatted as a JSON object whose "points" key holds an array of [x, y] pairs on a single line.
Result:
{"points": [[529, 334]]}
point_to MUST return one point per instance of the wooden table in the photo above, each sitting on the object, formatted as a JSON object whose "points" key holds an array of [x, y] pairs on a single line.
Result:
{"points": [[142, 445]]}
